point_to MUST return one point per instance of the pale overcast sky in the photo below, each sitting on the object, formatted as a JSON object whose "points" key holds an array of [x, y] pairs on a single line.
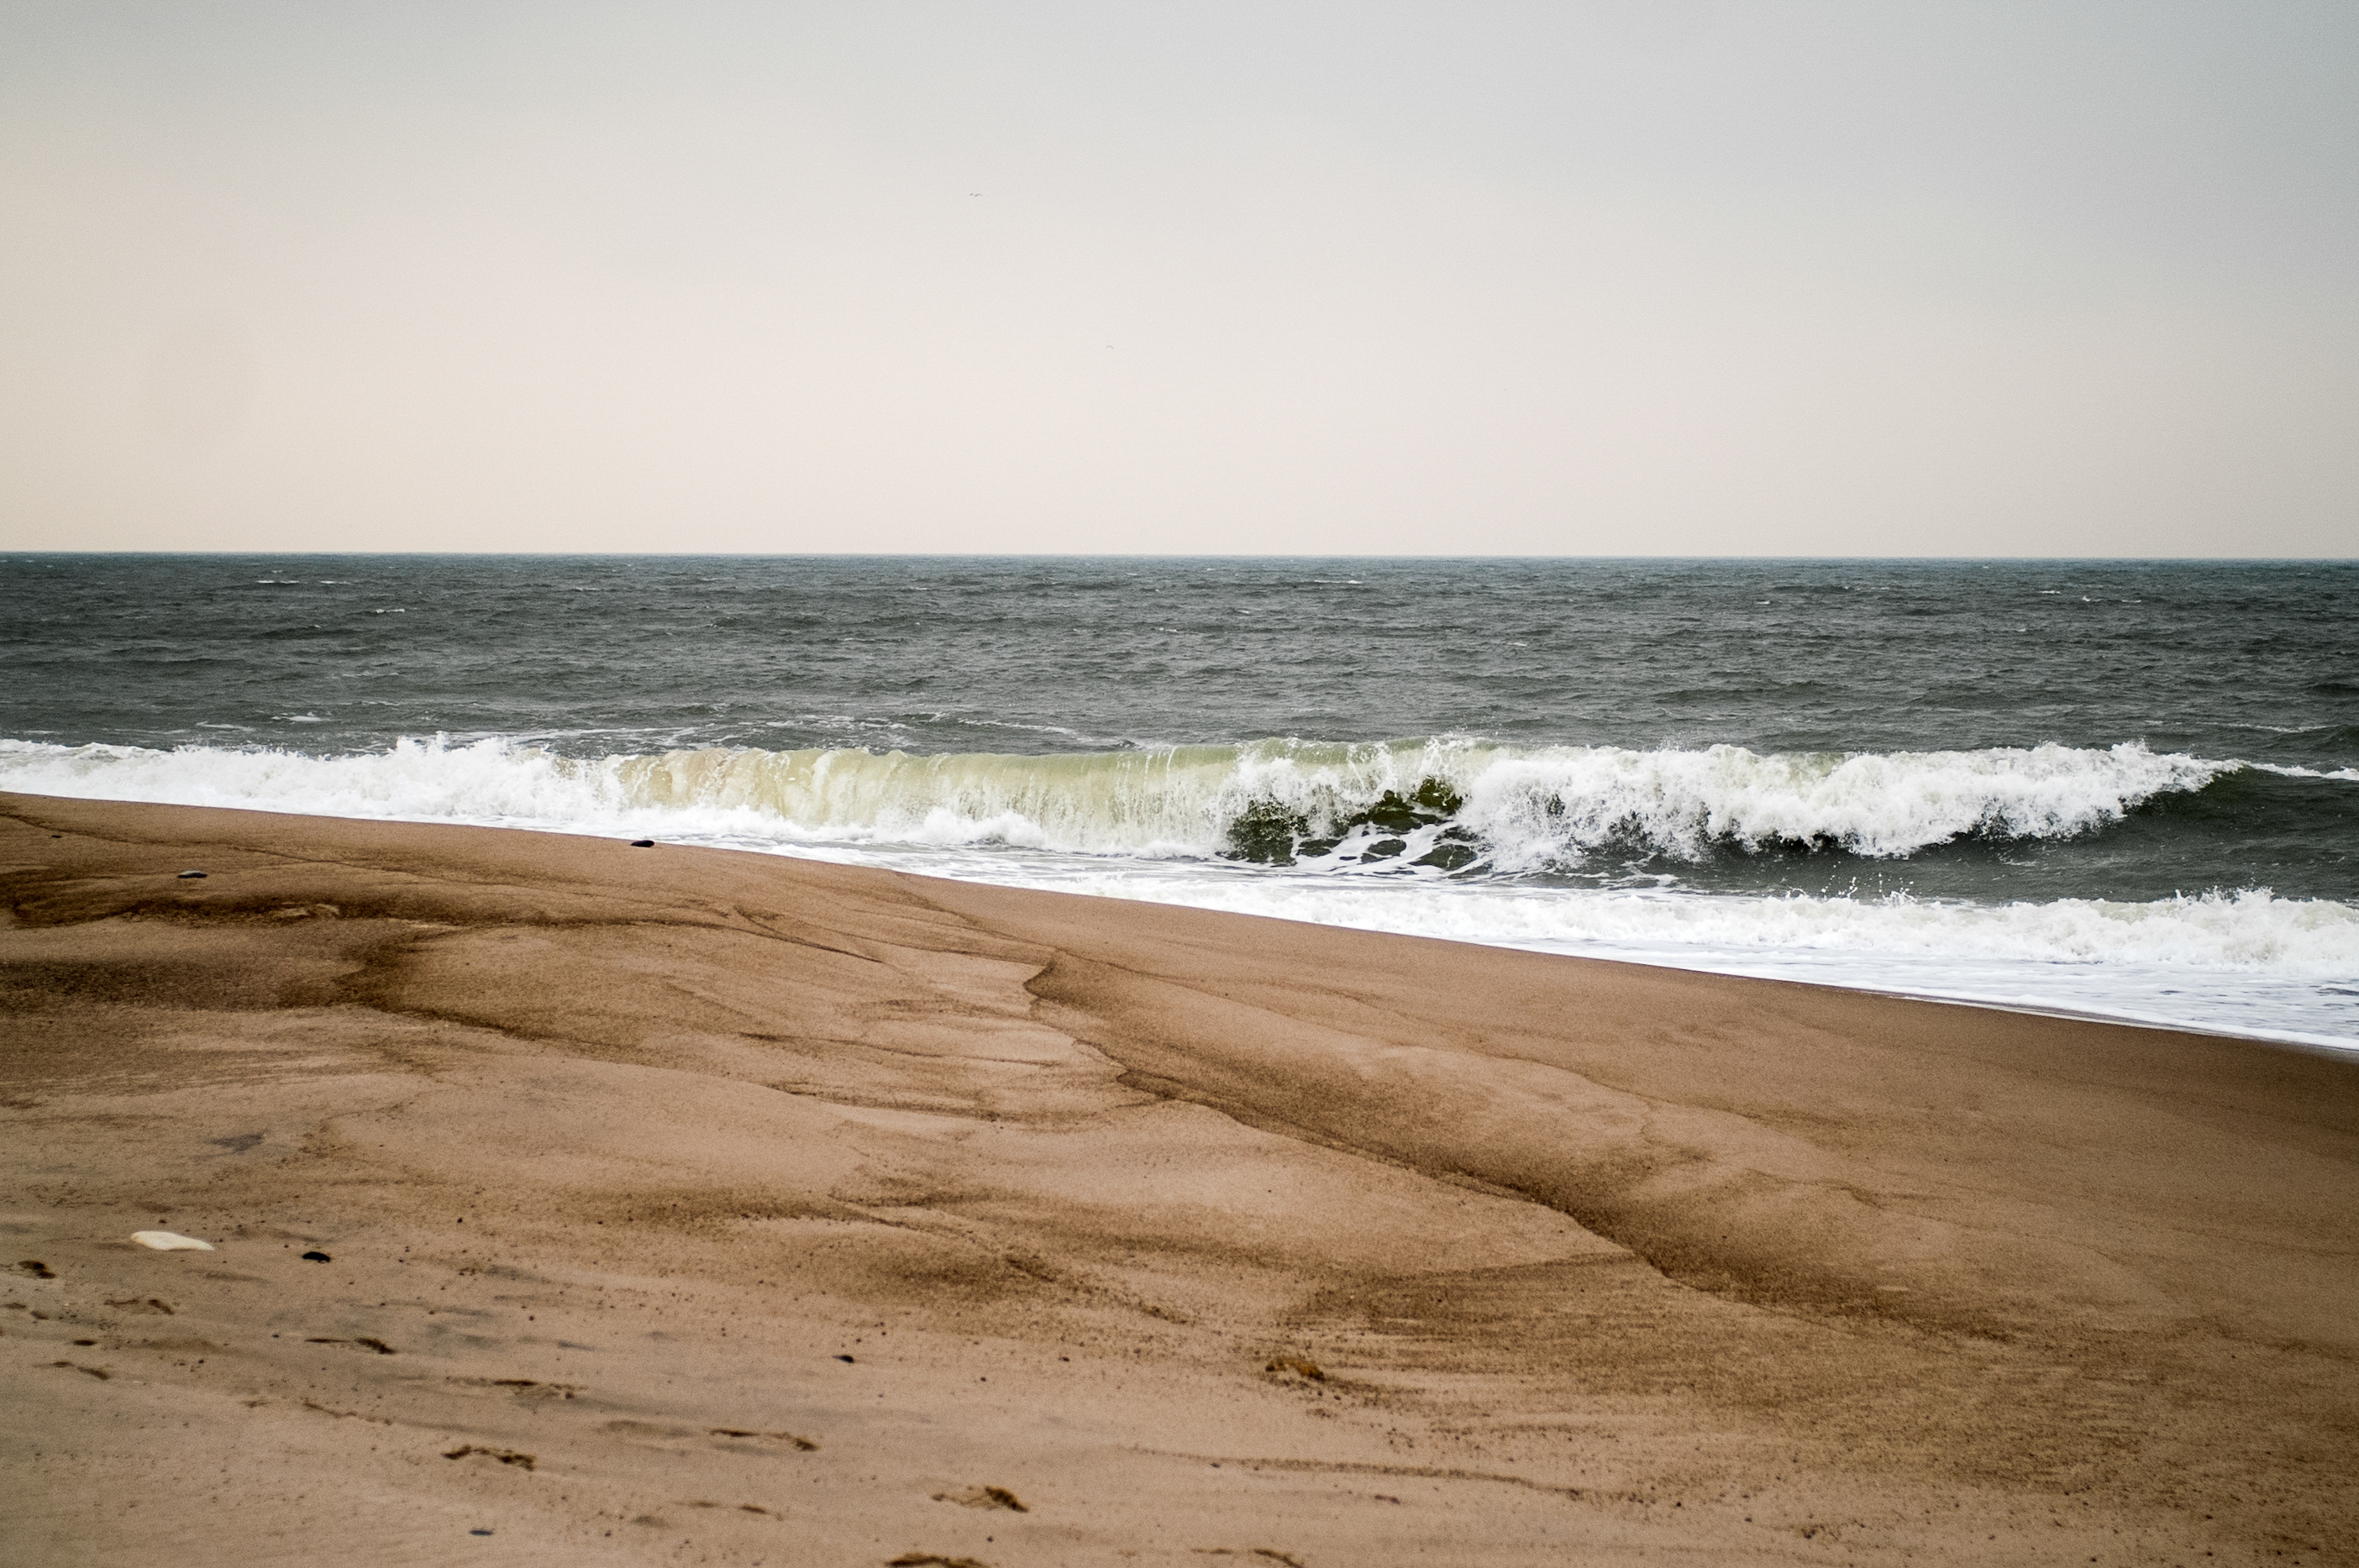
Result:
{"points": [[1450, 278]]}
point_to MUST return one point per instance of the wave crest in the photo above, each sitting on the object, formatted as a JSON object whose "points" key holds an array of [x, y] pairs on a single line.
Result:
{"points": [[1438, 805], [1879, 804]]}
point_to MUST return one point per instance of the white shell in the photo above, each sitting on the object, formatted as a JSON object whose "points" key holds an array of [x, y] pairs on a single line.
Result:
{"points": [[169, 1241]]}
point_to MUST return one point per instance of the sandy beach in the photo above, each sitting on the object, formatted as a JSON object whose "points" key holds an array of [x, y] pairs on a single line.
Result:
{"points": [[577, 1203]]}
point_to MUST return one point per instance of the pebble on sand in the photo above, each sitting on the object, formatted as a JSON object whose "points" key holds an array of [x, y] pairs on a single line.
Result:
{"points": [[170, 1241], [186, 875]]}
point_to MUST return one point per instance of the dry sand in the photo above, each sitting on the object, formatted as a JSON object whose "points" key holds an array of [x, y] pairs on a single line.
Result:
{"points": [[683, 1205]]}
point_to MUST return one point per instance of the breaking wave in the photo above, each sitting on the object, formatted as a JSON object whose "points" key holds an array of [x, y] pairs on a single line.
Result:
{"points": [[1438, 807], [1467, 821]]}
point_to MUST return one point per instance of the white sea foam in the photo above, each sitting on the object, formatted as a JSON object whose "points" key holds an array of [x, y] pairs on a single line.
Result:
{"points": [[1883, 805], [2341, 776], [1145, 824], [1533, 808], [2245, 963]]}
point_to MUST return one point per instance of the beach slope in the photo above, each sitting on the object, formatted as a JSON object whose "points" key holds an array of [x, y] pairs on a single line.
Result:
{"points": [[575, 1203]]}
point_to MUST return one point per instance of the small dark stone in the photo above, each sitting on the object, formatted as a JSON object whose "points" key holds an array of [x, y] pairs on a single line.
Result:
{"points": [[479, 1532], [186, 875], [844, 1358], [317, 1258], [1448, 857], [643, 843], [1385, 848]]}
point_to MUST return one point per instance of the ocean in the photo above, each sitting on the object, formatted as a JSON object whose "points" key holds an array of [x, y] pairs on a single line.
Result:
{"points": [[2124, 789]]}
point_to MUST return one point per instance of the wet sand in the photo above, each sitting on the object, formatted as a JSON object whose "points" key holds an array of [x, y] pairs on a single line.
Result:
{"points": [[682, 1206]]}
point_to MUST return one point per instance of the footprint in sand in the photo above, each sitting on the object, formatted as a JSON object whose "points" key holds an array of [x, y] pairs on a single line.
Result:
{"points": [[801, 1445], [504, 1455]]}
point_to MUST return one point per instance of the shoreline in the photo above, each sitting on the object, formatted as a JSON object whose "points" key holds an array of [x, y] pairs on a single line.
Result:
{"points": [[2287, 1040], [1730, 961], [786, 1209]]}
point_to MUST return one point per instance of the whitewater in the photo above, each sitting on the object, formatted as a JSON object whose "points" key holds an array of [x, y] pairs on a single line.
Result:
{"points": [[1603, 851]]}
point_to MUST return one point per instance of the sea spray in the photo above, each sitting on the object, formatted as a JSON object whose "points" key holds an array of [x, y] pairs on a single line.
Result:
{"points": [[1279, 801], [1347, 827]]}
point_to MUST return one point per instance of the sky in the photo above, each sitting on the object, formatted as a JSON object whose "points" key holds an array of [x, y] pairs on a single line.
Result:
{"points": [[1474, 278]]}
